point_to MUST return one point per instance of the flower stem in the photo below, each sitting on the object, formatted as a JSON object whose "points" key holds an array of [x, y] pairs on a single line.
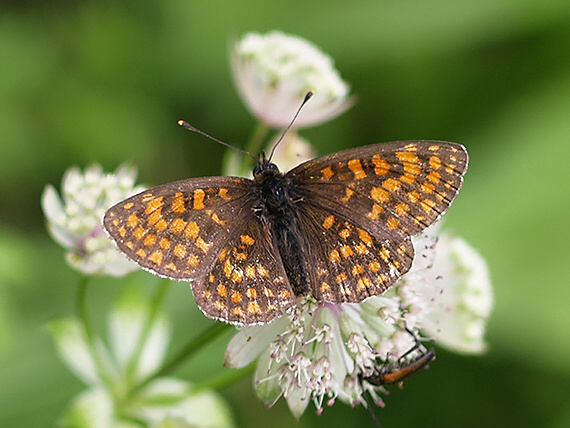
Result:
{"points": [[228, 377], [83, 313], [156, 305], [254, 145], [188, 351]]}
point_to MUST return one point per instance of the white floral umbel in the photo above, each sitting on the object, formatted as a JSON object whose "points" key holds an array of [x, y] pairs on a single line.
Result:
{"points": [[76, 221], [274, 72], [319, 352], [137, 348]]}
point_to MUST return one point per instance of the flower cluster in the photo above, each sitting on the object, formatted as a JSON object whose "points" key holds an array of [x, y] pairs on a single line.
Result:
{"points": [[76, 221], [274, 72], [320, 351], [123, 390]]}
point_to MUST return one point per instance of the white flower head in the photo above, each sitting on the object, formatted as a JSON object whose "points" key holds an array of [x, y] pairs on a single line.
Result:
{"points": [[114, 374], [462, 301], [321, 352], [75, 219], [274, 72]]}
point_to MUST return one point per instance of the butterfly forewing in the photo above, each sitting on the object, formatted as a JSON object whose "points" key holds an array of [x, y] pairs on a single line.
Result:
{"points": [[403, 187], [247, 284], [177, 230]]}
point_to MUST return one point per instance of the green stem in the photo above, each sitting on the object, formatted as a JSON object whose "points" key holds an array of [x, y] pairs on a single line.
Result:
{"points": [[254, 145], [83, 313], [187, 352], [226, 378], [156, 305]]}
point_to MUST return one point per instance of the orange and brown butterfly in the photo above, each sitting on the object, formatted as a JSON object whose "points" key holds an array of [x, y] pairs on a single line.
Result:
{"points": [[337, 228]]}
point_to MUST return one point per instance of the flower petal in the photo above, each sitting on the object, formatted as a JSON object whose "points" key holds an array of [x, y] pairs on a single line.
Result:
{"points": [[274, 72], [297, 399], [167, 398], [267, 386], [127, 322], [463, 298], [91, 409], [249, 342], [69, 337]]}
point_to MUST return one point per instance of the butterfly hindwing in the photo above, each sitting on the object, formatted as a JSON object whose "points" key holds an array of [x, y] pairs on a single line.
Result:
{"points": [[178, 229], [247, 283], [351, 259]]}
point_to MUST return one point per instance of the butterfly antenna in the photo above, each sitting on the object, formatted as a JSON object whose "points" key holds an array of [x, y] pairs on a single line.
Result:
{"points": [[307, 98], [189, 127]]}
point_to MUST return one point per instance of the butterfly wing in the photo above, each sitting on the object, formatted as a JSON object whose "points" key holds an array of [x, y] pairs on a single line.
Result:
{"points": [[205, 230], [351, 259], [359, 208], [178, 230], [247, 284]]}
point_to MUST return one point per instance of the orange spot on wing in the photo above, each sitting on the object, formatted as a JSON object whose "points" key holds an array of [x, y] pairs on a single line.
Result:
{"points": [[327, 173], [379, 194], [381, 167], [154, 205], [178, 205], [199, 195], [356, 167], [192, 230], [329, 221]]}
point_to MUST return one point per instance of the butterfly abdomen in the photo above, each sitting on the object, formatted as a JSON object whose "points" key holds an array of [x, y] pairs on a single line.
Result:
{"points": [[278, 212]]}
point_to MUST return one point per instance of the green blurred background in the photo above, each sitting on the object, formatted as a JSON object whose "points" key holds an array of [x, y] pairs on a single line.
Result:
{"points": [[105, 82]]}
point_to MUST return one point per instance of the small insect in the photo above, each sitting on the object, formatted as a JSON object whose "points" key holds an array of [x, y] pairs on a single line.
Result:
{"points": [[337, 228], [387, 376]]}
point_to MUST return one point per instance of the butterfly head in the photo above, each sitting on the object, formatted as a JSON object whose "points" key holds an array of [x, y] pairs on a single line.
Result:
{"points": [[264, 169]]}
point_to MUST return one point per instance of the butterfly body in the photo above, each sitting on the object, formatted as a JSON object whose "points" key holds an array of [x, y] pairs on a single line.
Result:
{"points": [[277, 208], [337, 228]]}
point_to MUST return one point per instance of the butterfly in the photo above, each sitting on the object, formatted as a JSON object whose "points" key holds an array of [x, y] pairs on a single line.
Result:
{"points": [[337, 228]]}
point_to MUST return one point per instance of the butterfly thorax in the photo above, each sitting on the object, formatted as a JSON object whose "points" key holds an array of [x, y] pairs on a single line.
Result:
{"points": [[272, 186], [277, 211]]}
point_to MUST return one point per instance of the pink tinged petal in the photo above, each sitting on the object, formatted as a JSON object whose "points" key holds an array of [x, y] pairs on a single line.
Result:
{"points": [[298, 399], [52, 205], [154, 349], [273, 72], [63, 236], [341, 362], [117, 264], [292, 151]]}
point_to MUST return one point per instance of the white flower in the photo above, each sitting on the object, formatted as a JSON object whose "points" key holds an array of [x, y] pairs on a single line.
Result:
{"points": [[274, 72], [76, 221], [462, 301], [113, 374], [319, 352]]}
